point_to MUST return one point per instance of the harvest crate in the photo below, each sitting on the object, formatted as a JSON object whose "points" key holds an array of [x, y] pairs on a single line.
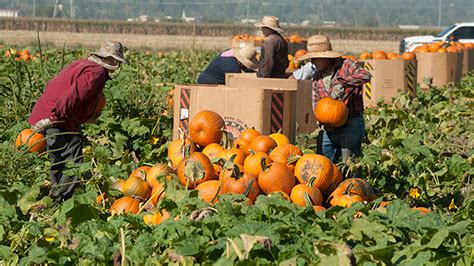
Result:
{"points": [[389, 79]]}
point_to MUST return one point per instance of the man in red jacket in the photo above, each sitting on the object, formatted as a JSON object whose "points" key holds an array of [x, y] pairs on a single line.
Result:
{"points": [[68, 101]]}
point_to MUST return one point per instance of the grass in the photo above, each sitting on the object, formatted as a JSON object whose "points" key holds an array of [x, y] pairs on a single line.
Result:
{"points": [[162, 42]]}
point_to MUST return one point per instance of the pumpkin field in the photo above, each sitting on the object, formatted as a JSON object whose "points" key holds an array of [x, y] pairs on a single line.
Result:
{"points": [[147, 203]]}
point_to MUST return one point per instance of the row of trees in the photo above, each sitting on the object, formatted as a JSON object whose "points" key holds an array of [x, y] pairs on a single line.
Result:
{"points": [[347, 12]]}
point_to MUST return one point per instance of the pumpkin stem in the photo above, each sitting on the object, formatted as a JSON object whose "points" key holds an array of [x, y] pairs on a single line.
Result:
{"points": [[226, 141], [347, 191], [311, 181], [279, 131], [217, 192], [236, 172], [307, 199], [230, 163], [293, 158], [263, 163], [249, 187]]}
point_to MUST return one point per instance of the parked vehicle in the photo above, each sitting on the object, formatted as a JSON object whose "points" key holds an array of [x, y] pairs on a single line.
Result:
{"points": [[461, 32]]}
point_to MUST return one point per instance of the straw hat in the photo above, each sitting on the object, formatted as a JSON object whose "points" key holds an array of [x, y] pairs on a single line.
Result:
{"points": [[112, 49], [319, 46], [270, 22], [246, 54]]}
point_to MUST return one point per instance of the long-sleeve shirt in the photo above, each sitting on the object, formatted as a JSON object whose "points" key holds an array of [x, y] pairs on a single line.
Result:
{"points": [[215, 71], [70, 98], [274, 57], [352, 77]]}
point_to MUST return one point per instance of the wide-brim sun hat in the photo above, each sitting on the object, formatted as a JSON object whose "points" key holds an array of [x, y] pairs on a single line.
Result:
{"points": [[247, 55], [270, 22], [112, 49], [319, 46]]}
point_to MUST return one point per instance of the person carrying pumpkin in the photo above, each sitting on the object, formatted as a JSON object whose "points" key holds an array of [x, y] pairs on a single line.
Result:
{"points": [[274, 51], [340, 79], [68, 101], [233, 60]]}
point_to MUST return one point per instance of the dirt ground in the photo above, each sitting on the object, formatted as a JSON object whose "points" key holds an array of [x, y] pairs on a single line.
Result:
{"points": [[163, 42]]}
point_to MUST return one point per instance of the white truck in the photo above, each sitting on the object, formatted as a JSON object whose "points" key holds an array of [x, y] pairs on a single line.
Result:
{"points": [[461, 32]]}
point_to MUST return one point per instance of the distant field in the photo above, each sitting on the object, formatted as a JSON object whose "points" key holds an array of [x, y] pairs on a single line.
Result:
{"points": [[163, 42]]}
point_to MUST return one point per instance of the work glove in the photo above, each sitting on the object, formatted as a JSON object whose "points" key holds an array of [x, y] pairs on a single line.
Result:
{"points": [[324, 127], [337, 92], [42, 125]]}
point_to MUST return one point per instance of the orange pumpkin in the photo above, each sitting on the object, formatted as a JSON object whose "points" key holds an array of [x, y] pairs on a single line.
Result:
{"points": [[358, 187], [452, 49], [209, 190], [442, 50], [212, 151], [157, 217], [125, 205], [422, 49], [157, 172], [101, 198], [179, 149], [379, 55], [118, 185], [300, 53], [277, 177], [195, 169], [262, 143], [241, 143], [331, 112], [314, 165], [34, 141], [279, 138], [306, 194], [344, 198], [206, 128], [434, 47], [335, 180], [317, 208], [241, 183], [157, 192], [422, 210], [287, 154], [135, 186], [365, 56], [408, 56], [249, 134], [253, 163], [140, 172]]}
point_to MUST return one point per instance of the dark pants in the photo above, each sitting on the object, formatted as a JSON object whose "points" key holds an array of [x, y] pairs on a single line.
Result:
{"points": [[63, 147], [344, 141]]}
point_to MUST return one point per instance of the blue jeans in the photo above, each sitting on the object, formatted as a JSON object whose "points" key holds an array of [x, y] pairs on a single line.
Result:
{"points": [[344, 141]]}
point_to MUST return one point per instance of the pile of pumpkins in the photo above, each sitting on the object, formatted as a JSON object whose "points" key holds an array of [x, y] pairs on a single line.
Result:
{"points": [[443, 47], [436, 47], [294, 62], [19, 55], [252, 165], [382, 55]]}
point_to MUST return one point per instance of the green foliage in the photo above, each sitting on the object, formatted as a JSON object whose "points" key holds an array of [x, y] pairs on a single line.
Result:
{"points": [[424, 143]]}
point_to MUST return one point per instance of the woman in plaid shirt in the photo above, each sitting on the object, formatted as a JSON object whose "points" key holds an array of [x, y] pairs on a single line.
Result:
{"points": [[340, 79]]}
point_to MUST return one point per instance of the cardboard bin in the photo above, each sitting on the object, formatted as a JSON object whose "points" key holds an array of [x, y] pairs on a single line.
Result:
{"points": [[295, 46], [468, 61], [438, 69], [305, 120], [267, 110], [389, 79]]}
